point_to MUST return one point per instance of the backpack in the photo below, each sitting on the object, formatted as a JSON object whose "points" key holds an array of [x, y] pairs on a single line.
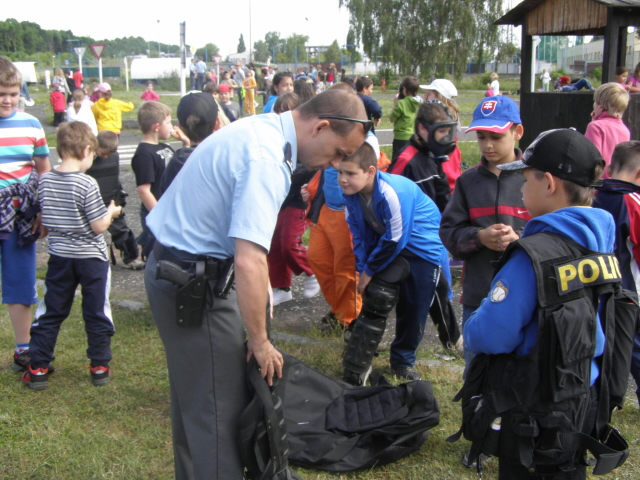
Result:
{"points": [[334, 426]]}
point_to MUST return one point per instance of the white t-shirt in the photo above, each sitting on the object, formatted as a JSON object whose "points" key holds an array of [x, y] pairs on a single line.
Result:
{"points": [[495, 86]]}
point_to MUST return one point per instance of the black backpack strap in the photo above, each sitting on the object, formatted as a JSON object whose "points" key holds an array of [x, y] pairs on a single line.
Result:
{"points": [[610, 453], [263, 440]]}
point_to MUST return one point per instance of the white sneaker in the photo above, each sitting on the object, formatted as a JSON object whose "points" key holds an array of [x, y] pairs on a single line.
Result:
{"points": [[281, 296], [29, 103], [311, 287]]}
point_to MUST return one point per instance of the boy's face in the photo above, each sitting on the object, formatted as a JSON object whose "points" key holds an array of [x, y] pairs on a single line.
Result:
{"points": [[224, 97], [352, 178], [533, 192], [498, 148], [164, 130], [286, 86], [9, 98], [368, 90]]}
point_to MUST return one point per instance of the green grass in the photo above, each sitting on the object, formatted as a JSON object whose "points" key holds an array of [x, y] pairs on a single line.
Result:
{"points": [[73, 430]]}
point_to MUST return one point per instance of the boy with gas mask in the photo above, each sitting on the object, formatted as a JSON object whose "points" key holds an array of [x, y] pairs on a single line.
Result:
{"points": [[421, 161], [486, 211]]}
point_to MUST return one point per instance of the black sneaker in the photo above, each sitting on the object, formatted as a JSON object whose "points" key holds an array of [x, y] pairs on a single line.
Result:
{"points": [[21, 361], [330, 323], [406, 373], [36, 379], [100, 375]]}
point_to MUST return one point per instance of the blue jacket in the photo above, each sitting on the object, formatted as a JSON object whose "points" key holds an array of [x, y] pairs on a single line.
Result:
{"points": [[410, 218], [510, 325]]}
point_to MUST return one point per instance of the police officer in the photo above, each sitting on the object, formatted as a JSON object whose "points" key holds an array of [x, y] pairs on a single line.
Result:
{"points": [[222, 207]]}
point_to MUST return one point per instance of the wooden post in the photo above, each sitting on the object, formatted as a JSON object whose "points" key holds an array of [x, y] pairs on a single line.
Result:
{"points": [[611, 46]]}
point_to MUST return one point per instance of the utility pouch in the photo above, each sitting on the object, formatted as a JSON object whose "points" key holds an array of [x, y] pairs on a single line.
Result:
{"points": [[191, 298], [226, 277]]}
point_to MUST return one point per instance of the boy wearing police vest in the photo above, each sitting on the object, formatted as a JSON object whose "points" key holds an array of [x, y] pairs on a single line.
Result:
{"points": [[547, 351]]}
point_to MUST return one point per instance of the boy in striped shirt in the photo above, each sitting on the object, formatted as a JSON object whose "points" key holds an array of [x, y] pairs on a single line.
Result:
{"points": [[74, 217], [23, 156]]}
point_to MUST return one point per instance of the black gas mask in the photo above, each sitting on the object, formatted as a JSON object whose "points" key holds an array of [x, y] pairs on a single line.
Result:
{"points": [[445, 145]]}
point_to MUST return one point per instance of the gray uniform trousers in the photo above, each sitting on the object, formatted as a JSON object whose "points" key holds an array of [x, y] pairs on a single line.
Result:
{"points": [[207, 375]]}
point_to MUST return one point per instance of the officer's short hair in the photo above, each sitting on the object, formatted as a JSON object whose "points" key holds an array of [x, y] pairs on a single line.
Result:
{"points": [[150, 113], [335, 102]]}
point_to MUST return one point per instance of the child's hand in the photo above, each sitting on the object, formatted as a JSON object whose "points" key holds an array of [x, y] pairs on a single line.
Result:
{"points": [[497, 237], [362, 283], [376, 121], [508, 236], [179, 135], [304, 192], [114, 210]]}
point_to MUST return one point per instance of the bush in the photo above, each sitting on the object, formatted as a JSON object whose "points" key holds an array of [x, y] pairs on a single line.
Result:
{"points": [[597, 74], [169, 82]]}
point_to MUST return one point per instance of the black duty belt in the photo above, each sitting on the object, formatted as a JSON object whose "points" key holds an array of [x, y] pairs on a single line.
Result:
{"points": [[186, 260]]}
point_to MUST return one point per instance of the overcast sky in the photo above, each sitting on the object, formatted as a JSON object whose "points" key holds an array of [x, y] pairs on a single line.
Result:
{"points": [[220, 23]]}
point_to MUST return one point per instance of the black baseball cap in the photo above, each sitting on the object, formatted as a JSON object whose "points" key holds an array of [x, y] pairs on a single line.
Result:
{"points": [[564, 153], [200, 104]]}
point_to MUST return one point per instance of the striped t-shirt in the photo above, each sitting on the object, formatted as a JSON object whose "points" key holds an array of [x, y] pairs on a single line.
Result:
{"points": [[21, 139], [70, 201]]}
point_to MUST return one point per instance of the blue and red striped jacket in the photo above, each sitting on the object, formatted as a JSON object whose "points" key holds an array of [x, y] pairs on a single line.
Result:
{"points": [[481, 199]]}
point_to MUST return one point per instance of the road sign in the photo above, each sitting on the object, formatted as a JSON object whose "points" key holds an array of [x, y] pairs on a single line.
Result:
{"points": [[79, 51], [98, 49], [217, 58]]}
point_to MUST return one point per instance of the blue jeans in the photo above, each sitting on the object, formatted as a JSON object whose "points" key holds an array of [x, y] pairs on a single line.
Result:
{"points": [[414, 300]]}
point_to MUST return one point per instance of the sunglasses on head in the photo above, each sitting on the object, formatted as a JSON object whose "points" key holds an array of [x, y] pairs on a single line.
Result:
{"points": [[366, 124]]}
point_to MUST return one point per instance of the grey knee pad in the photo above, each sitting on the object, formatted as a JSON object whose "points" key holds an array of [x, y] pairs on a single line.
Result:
{"points": [[380, 296]]}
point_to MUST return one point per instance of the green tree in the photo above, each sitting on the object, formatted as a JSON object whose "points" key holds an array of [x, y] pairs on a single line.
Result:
{"points": [[261, 51], [332, 53], [417, 34], [241, 46], [208, 51]]}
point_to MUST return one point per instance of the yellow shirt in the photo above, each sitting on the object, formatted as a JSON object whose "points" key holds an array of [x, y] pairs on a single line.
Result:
{"points": [[108, 113]]}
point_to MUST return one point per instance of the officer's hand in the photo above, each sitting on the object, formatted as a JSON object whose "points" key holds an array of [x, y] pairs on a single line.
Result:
{"points": [[269, 359]]}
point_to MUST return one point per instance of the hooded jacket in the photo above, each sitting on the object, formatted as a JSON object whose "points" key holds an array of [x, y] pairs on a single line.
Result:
{"points": [[403, 117], [410, 220], [510, 324], [622, 200]]}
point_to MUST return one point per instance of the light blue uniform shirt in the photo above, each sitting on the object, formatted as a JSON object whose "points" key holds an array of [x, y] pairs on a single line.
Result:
{"points": [[231, 187]]}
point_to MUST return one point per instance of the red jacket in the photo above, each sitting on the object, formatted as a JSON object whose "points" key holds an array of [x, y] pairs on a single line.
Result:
{"points": [[58, 102]]}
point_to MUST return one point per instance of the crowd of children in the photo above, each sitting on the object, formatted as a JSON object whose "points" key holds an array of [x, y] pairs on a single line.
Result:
{"points": [[379, 239]]}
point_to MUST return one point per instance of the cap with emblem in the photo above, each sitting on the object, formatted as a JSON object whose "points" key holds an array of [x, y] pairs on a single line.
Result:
{"points": [[495, 114], [564, 153]]}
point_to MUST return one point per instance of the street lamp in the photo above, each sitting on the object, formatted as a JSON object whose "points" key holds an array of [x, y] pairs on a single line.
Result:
{"points": [[159, 54], [307, 40]]}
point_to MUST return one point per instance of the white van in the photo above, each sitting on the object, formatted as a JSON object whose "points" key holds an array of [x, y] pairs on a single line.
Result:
{"points": [[28, 71]]}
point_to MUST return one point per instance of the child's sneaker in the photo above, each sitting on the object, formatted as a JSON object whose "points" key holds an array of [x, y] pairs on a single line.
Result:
{"points": [[134, 265], [311, 287], [21, 361], [100, 375], [36, 379]]}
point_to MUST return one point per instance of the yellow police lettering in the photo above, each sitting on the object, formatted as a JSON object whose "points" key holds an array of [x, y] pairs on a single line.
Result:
{"points": [[613, 261], [595, 271], [567, 273], [606, 274]]}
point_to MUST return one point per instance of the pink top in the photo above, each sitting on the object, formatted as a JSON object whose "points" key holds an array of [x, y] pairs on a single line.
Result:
{"points": [[605, 133], [149, 95], [633, 81]]}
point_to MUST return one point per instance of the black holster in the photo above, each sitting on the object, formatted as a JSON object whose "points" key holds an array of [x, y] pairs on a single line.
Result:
{"points": [[191, 298]]}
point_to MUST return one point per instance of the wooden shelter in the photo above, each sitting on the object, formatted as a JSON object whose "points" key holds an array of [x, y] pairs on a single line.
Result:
{"points": [[542, 111]]}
